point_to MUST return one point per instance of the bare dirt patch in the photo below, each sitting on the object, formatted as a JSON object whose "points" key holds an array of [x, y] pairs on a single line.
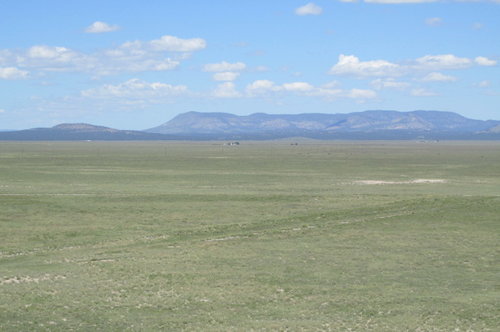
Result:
{"points": [[28, 279], [416, 181]]}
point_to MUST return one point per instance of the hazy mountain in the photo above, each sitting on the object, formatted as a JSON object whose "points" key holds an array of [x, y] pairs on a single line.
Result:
{"points": [[78, 131], [224, 126], [369, 123], [495, 129]]}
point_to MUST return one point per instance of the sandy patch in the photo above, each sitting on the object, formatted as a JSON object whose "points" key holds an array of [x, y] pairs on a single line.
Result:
{"points": [[416, 181], [28, 279], [48, 194], [224, 239]]}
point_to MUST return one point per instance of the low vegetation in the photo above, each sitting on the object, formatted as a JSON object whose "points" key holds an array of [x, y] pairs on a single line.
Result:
{"points": [[319, 236]]}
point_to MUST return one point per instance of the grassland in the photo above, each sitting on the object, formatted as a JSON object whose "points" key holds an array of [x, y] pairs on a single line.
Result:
{"points": [[265, 236]]}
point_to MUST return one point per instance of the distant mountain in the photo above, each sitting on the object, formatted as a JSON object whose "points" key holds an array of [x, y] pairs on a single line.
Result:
{"points": [[389, 125], [78, 132], [364, 125], [495, 129]]}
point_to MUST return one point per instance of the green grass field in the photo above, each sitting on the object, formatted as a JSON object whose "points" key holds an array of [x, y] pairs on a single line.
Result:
{"points": [[265, 236]]}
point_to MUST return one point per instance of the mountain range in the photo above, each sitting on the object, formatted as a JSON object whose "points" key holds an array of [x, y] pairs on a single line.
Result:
{"points": [[224, 126], [78, 132]]}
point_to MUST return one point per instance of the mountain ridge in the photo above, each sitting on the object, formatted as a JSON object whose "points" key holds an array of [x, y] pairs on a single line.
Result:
{"points": [[367, 125], [367, 121], [78, 132]]}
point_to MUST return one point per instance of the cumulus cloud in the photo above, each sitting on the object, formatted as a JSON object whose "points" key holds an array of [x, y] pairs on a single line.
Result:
{"points": [[309, 9], [421, 92], [60, 54], [332, 84], [298, 86], [334, 94], [226, 76], [101, 27], [361, 94], [483, 61], [161, 54], [434, 21], [351, 65], [260, 87], [261, 69], [388, 83], [266, 88], [55, 58], [423, 1], [438, 77], [135, 89], [224, 67], [443, 61], [484, 84], [175, 44], [399, 1], [12, 73], [226, 90], [129, 95]]}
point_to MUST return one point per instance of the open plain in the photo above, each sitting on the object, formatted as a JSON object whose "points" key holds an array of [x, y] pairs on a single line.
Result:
{"points": [[263, 236]]}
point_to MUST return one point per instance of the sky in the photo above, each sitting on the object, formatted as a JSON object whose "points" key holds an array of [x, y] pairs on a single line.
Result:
{"points": [[137, 64]]}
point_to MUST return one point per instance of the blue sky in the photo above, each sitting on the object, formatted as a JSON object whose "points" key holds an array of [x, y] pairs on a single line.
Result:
{"points": [[136, 64]]}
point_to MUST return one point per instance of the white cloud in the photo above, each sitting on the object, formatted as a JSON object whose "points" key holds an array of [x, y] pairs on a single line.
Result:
{"points": [[224, 67], [361, 94], [2, 110], [438, 77], [48, 52], [477, 26], [261, 68], [174, 44], [261, 87], [399, 1], [442, 61], [133, 56], [434, 21], [56, 55], [130, 95], [226, 76], [309, 9], [333, 94], [298, 86], [266, 87], [12, 73], [226, 90], [135, 89], [351, 65], [388, 83], [484, 84], [483, 61], [423, 1], [420, 92], [332, 84], [56, 58], [101, 27]]}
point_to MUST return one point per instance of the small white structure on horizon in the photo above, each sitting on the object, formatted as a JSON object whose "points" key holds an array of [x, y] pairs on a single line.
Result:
{"points": [[232, 143]]}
